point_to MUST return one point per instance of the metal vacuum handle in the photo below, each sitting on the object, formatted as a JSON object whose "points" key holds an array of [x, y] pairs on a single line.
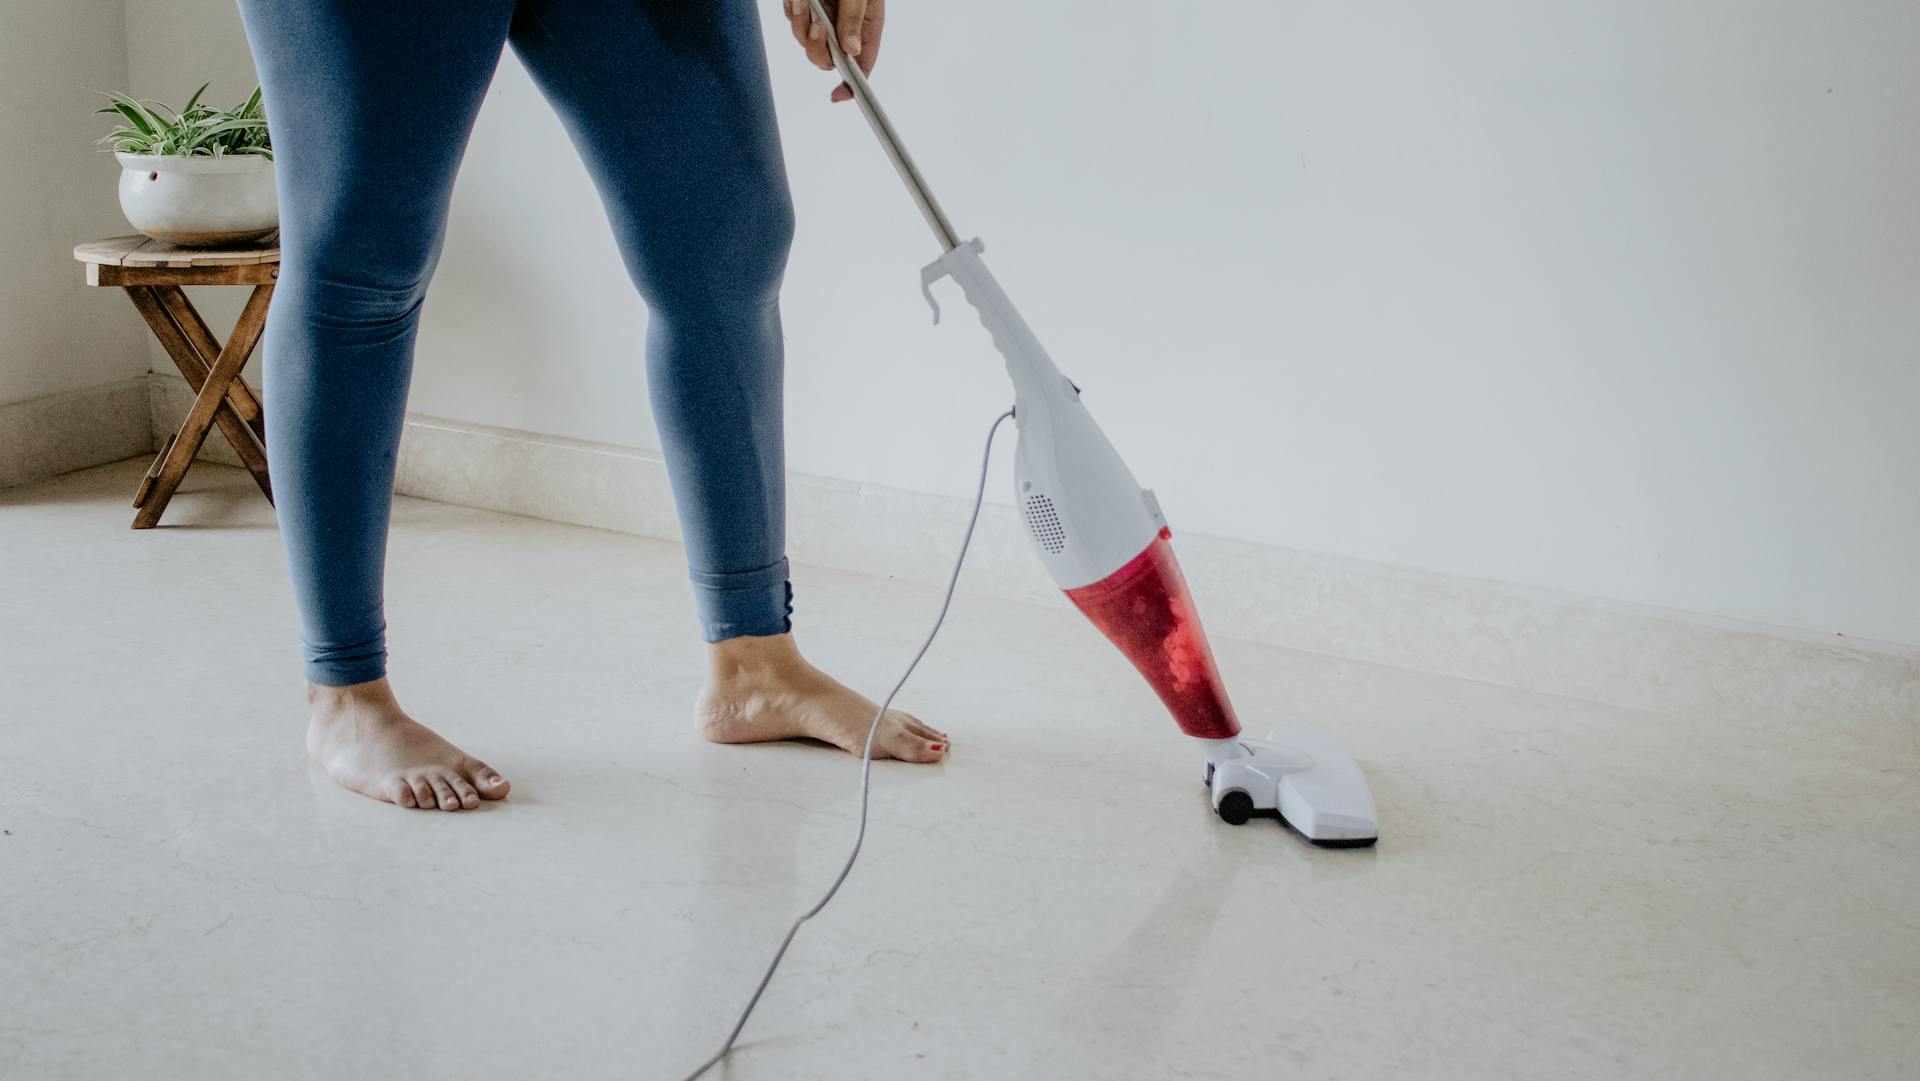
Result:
{"points": [[889, 139]]}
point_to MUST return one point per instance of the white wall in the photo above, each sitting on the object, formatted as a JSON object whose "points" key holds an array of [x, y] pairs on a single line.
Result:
{"points": [[1621, 299], [56, 334]]}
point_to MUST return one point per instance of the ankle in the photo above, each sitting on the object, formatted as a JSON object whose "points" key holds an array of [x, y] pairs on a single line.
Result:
{"points": [[373, 693], [750, 658]]}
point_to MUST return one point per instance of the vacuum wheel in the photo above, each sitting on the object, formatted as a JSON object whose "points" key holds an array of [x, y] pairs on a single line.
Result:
{"points": [[1235, 808]]}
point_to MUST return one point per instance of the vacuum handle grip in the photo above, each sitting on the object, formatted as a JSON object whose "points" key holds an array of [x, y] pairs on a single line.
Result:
{"points": [[863, 96], [1035, 378]]}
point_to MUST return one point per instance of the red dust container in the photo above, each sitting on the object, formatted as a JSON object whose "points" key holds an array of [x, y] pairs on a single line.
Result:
{"points": [[1146, 610]]}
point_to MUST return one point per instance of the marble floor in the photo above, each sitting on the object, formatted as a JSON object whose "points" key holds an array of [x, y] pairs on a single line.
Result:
{"points": [[1562, 889]]}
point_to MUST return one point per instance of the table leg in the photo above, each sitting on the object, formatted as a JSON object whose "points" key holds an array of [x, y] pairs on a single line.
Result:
{"points": [[141, 493], [194, 358], [206, 406], [174, 299]]}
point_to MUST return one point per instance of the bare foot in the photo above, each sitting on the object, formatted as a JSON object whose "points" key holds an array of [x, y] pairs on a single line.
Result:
{"points": [[367, 743], [761, 689]]}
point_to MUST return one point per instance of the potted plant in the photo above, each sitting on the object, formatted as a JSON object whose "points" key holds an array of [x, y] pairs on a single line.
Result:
{"points": [[196, 176]]}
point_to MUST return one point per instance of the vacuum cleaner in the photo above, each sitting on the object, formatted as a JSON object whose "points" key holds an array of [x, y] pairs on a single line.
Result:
{"points": [[1106, 544]]}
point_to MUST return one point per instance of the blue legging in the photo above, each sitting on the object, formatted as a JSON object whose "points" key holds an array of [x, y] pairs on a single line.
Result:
{"points": [[370, 103]]}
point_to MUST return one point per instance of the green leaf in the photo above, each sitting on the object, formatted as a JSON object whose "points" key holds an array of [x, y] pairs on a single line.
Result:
{"points": [[196, 129], [135, 115]]}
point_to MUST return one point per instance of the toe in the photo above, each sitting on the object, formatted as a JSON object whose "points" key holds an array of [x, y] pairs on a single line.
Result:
{"points": [[487, 781], [400, 793], [463, 788], [423, 796], [443, 790], [910, 746], [920, 728]]}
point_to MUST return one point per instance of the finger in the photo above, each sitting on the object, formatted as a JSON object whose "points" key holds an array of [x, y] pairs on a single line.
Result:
{"points": [[842, 93], [811, 36], [850, 20], [817, 47], [870, 35], [798, 19]]}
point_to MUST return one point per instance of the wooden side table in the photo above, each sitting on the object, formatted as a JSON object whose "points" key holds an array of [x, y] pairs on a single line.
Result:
{"points": [[152, 272]]}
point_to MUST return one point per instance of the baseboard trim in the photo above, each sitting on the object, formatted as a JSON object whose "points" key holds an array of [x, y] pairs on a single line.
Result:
{"points": [[75, 429], [1620, 654], [1776, 678]]}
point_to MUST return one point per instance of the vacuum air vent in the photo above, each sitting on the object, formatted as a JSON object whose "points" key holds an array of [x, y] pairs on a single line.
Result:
{"points": [[1045, 525]]}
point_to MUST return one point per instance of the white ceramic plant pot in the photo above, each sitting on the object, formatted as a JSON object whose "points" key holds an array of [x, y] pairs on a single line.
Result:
{"points": [[199, 201]]}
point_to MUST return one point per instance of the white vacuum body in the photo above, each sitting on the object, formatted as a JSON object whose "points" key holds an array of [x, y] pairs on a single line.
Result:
{"points": [[1099, 534], [1086, 514], [1106, 544]]}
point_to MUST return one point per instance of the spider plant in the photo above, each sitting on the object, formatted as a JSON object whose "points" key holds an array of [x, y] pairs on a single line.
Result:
{"points": [[198, 129]]}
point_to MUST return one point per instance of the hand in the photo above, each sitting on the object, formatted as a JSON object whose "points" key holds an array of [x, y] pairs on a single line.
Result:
{"points": [[859, 25]]}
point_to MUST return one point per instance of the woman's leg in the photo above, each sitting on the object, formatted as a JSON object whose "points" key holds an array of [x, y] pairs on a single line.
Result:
{"points": [[370, 103], [668, 101]]}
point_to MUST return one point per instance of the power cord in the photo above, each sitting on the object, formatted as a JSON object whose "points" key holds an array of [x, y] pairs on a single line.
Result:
{"points": [[866, 761]]}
